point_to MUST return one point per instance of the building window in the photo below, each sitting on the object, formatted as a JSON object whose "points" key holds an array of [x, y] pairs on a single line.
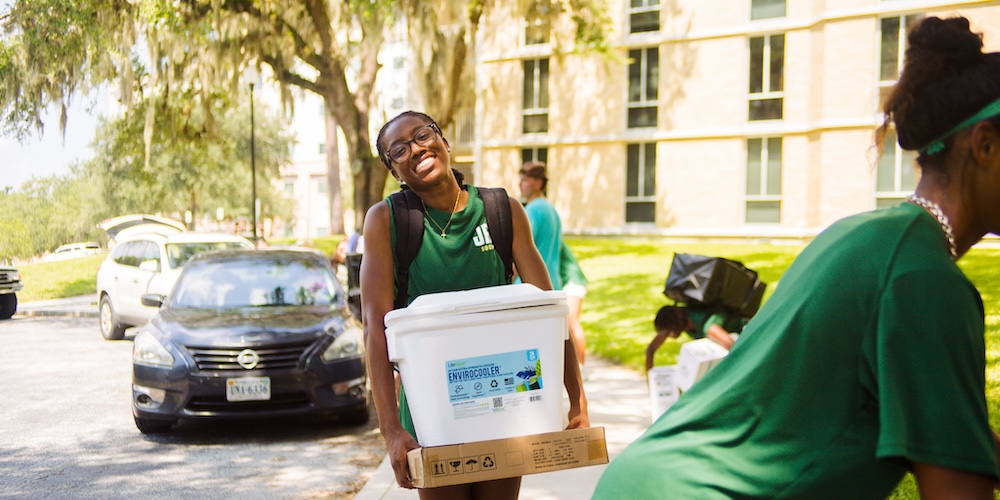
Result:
{"points": [[896, 174], [643, 83], [766, 9], [535, 106], [397, 103], [643, 16], [767, 75], [892, 33], [398, 62], [536, 23], [535, 154], [640, 183], [322, 148], [763, 180], [289, 188], [320, 183]]}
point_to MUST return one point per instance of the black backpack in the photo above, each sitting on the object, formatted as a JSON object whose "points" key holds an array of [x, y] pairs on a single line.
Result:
{"points": [[408, 213]]}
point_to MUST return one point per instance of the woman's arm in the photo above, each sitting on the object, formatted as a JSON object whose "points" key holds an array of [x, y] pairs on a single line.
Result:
{"points": [[532, 270], [377, 282], [939, 482]]}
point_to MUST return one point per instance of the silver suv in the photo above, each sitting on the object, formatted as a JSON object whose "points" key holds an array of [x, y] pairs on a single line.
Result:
{"points": [[147, 259], [10, 284]]}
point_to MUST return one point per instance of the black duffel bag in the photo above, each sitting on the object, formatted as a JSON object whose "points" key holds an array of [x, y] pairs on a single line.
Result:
{"points": [[714, 281]]}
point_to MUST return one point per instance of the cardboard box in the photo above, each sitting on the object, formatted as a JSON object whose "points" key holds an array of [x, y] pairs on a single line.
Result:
{"points": [[511, 457], [696, 359]]}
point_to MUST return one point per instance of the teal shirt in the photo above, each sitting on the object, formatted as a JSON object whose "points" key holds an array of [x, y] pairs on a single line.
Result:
{"points": [[546, 231], [462, 260], [869, 355]]}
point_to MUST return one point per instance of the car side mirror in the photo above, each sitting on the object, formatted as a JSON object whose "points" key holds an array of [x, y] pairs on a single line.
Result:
{"points": [[152, 299], [150, 265]]}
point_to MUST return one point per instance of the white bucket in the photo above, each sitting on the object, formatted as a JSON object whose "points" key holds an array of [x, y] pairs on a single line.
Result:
{"points": [[481, 364], [663, 392]]}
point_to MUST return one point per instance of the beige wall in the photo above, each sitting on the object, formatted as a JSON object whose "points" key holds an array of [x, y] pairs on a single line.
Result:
{"points": [[830, 113]]}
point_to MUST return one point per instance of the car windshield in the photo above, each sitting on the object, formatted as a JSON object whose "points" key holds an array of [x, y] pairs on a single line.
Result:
{"points": [[179, 253], [253, 283]]}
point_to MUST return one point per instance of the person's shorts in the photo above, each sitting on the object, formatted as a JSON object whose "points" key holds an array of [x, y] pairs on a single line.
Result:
{"points": [[575, 290]]}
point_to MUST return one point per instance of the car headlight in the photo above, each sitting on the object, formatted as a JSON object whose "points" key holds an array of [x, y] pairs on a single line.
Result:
{"points": [[347, 345], [146, 350], [15, 276]]}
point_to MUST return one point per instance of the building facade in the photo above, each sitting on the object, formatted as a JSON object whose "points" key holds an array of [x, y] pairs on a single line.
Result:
{"points": [[713, 118]]}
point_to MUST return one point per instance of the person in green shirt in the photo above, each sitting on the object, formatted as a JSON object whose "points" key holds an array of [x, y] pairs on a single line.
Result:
{"points": [[574, 284], [455, 254], [869, 359], [715, 323]]}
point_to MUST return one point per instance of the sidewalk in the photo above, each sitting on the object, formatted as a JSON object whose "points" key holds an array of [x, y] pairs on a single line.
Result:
{"points": [[83, 306], [619, 402]]}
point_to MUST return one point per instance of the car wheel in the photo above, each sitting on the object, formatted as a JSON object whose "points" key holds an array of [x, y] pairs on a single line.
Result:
{"points": [[8, 305], [149, 426], [357, 416], [110, 328]]}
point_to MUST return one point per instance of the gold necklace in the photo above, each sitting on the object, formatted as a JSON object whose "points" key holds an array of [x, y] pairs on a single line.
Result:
{"points": [[453, 210]]}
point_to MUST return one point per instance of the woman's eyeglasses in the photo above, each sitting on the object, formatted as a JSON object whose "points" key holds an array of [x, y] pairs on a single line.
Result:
{"points": [[424, 137]]}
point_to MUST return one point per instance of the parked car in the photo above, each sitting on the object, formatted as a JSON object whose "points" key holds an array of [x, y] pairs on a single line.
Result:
{"points": [[10, 284], [73, 251], [147, 260], [250, 333]]}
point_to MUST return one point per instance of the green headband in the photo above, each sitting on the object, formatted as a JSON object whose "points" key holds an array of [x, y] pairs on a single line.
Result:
{"points": [[937, 145]]}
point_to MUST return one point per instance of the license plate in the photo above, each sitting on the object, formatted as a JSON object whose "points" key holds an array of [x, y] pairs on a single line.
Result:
{"points": [[248, 389]]}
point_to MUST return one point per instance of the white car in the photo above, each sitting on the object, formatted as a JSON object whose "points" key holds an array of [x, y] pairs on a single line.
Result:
{"points": [[147, 258], [73, 251]]}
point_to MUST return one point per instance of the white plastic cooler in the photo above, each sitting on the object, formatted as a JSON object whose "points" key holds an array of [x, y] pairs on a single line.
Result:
{"points": [[481, 364]]}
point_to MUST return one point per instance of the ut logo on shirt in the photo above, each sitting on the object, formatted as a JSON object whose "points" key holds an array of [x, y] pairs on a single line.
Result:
{"points": [[482, 238]]}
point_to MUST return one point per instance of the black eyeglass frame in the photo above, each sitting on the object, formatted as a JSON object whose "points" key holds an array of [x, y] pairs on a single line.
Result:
{"points": [[409, 144]]}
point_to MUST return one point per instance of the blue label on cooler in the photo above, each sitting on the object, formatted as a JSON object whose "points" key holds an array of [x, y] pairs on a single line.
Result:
{"points": [[494, 375]]}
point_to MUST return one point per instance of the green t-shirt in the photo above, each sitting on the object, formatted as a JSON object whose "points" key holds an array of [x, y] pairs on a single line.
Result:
{"points": [[870, 354], [703, 318], [569, 268], [463, 260]]}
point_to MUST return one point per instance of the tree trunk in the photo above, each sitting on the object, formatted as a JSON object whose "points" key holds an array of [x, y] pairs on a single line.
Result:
{"points": [[333, 174], [369, 183]]}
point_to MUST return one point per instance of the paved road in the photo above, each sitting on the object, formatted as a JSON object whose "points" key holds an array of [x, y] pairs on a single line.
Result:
{"points": [[66, 431]]}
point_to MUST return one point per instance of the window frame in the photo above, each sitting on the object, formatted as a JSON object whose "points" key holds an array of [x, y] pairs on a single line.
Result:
{"points": [[535, 153], [644, 101], [766, 62], [537, 109], [883, 85], [750, 12], [649, 6], [764, 196], [644, 167], [901, 160], [541, 22]]}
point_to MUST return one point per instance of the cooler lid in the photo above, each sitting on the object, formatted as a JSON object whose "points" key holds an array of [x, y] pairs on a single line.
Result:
{"points": [[494, 298]]}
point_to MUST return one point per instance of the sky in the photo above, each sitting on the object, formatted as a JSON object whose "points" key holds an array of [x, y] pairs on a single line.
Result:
{"points": [[51, 154]]}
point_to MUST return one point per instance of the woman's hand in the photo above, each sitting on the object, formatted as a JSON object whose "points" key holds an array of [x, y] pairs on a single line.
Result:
{"points": [[398, 443]]}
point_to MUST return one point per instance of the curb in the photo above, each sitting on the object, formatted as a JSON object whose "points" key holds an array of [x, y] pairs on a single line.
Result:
{"points": [[32, 313]]}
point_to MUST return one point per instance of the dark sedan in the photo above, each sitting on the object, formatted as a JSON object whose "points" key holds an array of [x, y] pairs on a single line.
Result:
{"points": [[250, 333]]}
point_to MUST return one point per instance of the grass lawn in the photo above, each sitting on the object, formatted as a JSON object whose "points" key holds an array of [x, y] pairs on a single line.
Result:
{"points": [[64, 278]]}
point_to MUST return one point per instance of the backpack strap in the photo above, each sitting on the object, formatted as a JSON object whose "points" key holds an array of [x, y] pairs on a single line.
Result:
{"points": [[498, 219], [408, 212]]}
